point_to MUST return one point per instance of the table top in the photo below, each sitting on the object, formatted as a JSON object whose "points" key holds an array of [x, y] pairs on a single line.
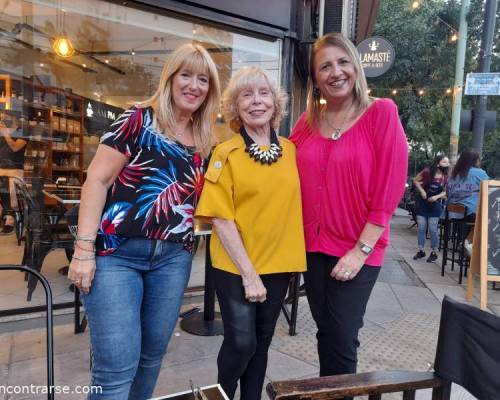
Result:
{"points": [[64, 195], [202, 227]]}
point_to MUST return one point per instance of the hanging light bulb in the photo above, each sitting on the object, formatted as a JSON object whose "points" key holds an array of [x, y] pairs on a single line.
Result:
{"points": [[63, 47], [415, 5], [394, 92], [454, 37]]}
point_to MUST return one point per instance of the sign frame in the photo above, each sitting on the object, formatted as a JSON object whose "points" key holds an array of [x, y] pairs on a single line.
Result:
{"points": [[479, 258], [478, 90]]}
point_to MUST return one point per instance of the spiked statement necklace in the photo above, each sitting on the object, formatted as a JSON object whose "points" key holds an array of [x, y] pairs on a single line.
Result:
{"points": [[263, 156]]}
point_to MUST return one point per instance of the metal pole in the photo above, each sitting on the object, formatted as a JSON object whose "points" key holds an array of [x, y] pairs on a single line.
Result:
{"points": [[459, 79], [479, 121]]}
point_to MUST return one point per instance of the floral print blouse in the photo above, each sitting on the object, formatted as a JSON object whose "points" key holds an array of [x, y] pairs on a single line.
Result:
{"points": [[155, 194]]}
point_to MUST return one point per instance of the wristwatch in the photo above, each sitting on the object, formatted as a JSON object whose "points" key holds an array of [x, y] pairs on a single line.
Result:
{"points": [[365, 248]]}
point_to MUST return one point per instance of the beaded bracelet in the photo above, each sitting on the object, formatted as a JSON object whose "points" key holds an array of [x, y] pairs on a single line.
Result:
{"points": [[83, 258]]}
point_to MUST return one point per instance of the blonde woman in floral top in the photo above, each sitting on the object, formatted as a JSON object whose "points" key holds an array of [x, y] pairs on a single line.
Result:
{"points": [[133, 251]]}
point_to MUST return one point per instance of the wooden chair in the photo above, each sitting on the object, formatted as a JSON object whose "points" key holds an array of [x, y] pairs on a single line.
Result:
{"points": [[468, 353]]}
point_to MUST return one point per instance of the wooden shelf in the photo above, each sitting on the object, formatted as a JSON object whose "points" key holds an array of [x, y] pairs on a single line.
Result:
{"points": [[54, 99], [66, 169], [66, 151]]}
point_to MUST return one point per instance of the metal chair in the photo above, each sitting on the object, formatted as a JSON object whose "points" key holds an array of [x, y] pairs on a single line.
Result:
{"points": [[468, 354]]}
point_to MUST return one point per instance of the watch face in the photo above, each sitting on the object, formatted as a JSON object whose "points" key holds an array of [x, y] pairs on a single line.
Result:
{"points": [[366, 249]]}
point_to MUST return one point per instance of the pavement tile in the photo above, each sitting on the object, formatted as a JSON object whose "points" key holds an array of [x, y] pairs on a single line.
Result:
{"points": [[417, 300], [434, 276], [281, 366], [383, 306], [32, 343], [184, 347], [176, 378], [5, 348]]}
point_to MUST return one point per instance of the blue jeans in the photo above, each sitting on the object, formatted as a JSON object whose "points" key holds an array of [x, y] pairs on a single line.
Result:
{"points": [[432, 223], [132, 309]]}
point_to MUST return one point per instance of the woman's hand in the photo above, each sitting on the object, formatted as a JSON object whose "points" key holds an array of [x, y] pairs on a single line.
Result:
{"points": [[423, 194], [254, 289], [349, 265], [432, 199], [81, 272]]}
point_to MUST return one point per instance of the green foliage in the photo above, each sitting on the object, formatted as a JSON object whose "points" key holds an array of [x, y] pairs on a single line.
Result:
{"points": [[425, 59]]}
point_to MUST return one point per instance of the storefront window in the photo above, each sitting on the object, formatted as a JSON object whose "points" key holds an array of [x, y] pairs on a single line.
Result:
{"points": [[68, 68]]}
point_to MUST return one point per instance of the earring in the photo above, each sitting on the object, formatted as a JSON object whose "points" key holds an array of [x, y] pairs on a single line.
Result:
{"points": [[316, 92]]}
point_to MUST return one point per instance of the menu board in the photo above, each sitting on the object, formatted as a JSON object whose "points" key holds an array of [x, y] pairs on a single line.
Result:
{"points": [[485, 260], [493, 231]]}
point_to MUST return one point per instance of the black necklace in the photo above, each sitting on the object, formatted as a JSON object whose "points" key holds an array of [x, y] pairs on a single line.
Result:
{"points": [[264, 156]]}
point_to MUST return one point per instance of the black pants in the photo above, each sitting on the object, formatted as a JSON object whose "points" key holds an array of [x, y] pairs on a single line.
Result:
{"points": [[338, 309], [248, 331]]}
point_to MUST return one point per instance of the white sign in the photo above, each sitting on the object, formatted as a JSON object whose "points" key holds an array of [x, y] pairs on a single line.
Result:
{"points": [[483, 84]]}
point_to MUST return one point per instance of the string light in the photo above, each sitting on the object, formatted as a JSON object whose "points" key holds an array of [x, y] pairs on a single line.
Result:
{"points": [[421, 92], [448, 91], [394, 92], [417, 3]]}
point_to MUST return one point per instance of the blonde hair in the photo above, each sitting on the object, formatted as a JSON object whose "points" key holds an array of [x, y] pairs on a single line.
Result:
{"points": [[196, 58], [242, 79], [361, 98]]}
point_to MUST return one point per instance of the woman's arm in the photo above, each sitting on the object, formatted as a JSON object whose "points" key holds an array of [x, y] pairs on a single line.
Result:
{"points": [[354, 259], [385, 188], [231, 240], [101, 174], [418, 182], [436, 197], [14, 144]]}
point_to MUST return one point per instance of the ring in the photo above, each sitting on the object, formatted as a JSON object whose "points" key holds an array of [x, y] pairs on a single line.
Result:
{"points": [[347, 273]]}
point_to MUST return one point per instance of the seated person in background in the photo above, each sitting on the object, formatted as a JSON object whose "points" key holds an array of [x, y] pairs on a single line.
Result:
{"points": [[463, 186], [12, 147]]}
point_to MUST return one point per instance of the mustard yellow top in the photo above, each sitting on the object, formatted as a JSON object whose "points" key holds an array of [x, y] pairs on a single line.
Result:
{"points": [[263, 201]]}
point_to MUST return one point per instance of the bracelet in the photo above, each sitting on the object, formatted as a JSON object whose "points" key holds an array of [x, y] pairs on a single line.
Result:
{"points": [[83, 249], [90, 239], [83, 258], [248, 283]]}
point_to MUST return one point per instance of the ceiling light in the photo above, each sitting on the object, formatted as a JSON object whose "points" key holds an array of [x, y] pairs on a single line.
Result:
{"points": [[63, 47], [106, 61], [42, 65], [84, 65]]}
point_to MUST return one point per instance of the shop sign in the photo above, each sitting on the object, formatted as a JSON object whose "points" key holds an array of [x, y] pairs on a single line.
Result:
{"points": [[98, 116], [377, 56], [99, 110]]}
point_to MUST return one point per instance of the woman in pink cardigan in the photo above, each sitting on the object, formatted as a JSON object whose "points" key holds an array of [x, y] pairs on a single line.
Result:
{"points": [[352, 157]]}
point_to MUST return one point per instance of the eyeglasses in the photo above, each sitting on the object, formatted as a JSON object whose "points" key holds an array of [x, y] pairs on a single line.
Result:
{"points": [[197, 392]]}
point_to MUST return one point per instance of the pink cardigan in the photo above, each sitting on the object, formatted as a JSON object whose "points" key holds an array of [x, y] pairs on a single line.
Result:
{"points": [[357, 179]]}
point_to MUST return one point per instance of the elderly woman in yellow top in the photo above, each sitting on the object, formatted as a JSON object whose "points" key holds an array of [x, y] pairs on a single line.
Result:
{"points": [[252, 195]]}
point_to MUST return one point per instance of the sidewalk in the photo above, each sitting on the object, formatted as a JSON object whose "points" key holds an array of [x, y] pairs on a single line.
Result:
{"points": [[400, 332]]}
